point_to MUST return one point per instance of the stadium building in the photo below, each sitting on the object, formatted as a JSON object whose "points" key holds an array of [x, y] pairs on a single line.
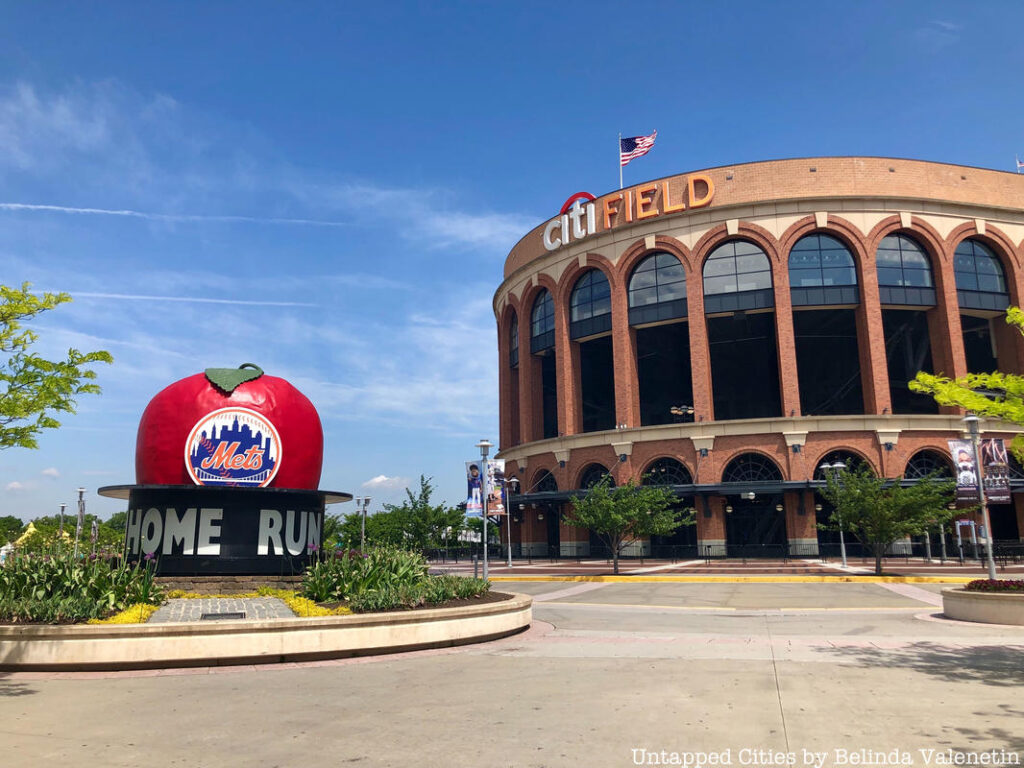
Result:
{"points": [[728, 332]]}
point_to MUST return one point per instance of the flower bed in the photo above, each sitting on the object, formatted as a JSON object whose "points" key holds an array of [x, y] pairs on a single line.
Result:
{"points": [[996, 585]]}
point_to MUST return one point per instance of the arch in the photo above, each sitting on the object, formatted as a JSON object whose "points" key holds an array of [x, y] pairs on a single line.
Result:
{"points": [[590, 304], [751, 467], [666, 470], [638, 251], [656, 289], [822, 271], [745, 230], [852, 459], [543, 482], [592, 474], [926, 461]]}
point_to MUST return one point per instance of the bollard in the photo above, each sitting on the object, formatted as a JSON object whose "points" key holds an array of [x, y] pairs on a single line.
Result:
{"points": [[476, 567]]}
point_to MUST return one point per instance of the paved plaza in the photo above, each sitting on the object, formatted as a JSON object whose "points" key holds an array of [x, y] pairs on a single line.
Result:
{"points": [[606, 669], [213, 608]]}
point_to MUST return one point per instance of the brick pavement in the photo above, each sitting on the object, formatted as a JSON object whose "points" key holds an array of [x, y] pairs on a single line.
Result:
{"points": [[255, 608]]}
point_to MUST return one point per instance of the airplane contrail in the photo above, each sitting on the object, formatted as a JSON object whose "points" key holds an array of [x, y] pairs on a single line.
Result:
{"points": [[192, 299], [179, 217]]}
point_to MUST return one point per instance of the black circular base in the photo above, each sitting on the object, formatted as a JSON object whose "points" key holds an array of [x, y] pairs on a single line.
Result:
{"points": [[212, 531]]}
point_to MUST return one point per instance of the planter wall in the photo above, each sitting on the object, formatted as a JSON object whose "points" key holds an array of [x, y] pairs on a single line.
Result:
{"points": [[983, 607]]}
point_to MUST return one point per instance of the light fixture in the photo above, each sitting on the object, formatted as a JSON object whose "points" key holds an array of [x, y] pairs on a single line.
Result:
{"points": [[778, 507], [817, 507], [703, 452], [728, 508], [622, 458], [888, 446], [796, 449]]}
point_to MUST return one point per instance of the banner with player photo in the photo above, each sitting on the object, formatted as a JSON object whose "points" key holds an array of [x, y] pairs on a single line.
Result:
{"points": [[496, 487], [995, 471]]}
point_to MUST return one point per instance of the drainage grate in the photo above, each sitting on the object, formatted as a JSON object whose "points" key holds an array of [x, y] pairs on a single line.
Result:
{"points": [[222, 616]]}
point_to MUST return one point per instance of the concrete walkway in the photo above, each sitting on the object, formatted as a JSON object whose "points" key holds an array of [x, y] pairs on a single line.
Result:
{"points": [[723, 668]]}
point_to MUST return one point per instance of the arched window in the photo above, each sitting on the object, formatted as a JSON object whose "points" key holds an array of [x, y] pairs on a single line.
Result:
{"points": [[590, 306], [513, 342], [980, 280], [904, 272], [667, 471], [925, 463], [592, 475], [737, 276], [657, 290], [821, 271], [544, 482], [751, 467], [850, 459], [542, 322]]}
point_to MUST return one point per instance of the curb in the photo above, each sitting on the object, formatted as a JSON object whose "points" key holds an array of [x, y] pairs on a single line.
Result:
{"points": [[159, 646], [748, 579]]}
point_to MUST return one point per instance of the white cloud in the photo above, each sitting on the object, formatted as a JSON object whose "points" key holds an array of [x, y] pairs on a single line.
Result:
{"points": [[50, 472], [170, 217], [15, 486], [383, 482]]}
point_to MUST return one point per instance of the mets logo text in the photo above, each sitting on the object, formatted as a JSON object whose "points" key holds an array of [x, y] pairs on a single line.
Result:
{"points": [[233, 446]]}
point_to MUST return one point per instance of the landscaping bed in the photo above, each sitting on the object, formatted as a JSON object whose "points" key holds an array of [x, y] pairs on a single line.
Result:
{"points": [[456, 602]]}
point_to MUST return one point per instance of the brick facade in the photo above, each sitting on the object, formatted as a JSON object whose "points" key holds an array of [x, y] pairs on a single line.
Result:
{"points": [[859, 201]]}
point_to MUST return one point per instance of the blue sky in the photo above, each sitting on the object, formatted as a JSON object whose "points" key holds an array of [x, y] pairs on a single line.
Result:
{"points": [[330, 190]]}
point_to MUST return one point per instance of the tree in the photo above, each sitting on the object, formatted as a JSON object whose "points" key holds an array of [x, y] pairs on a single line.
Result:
{"points": [[33, 389], [880, 512], [996, 395], [11, 528], [627, 513]]}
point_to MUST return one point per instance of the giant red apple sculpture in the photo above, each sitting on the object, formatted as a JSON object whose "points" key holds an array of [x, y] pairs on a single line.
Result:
{"points": [[233, 427]]}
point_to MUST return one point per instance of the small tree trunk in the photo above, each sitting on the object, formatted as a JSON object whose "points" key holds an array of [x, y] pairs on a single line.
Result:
{"points": [[615, 559]]}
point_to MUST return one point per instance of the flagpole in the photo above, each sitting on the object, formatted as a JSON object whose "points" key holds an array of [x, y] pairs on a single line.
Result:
{"points": [[620, 161]]}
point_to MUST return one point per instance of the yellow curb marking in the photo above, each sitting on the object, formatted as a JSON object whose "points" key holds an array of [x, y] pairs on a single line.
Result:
{"points": [[751, 579]]}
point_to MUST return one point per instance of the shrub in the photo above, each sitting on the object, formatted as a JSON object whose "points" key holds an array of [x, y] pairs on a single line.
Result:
{"points": [[996, 585], [434, 590], [343, 573], [61, 588]]}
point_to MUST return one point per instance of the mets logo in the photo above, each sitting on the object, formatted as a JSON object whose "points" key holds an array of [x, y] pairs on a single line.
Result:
{"points": [[233, 446]]}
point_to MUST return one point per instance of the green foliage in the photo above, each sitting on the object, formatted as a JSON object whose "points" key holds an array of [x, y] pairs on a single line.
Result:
{"points": [[416, 523], [46, 539], [33, 389], [62, 589], [627, 513], [433, 591], [341, 574], [880, 512], [382, 578], [11, 528], [993, 395]]}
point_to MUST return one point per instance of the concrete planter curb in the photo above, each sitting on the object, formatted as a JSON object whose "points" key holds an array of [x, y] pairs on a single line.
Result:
{"points": [[984, 607], [142, 646]]}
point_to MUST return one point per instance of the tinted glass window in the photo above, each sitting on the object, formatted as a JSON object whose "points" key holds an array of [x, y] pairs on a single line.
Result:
{"points": [[903, 262], [513, 341], [656, 279], [543, 317], [977, 268], [820, 260], [591, 297], [737, 266]]}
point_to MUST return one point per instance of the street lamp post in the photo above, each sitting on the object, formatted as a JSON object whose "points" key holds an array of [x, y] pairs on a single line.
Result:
{"points": [[81, 517], [485, 447], [513, 483], [362, 502], [60, 531], [972, 428], [834, 470]]}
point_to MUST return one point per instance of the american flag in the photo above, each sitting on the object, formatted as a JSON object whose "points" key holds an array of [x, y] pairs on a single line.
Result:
{"points": [[635, 146]]}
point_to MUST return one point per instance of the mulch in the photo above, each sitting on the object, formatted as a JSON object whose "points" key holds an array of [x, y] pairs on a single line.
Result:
{"points": [[459, 602]]}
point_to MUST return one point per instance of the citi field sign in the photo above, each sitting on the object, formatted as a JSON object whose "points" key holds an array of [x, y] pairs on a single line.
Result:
{"points": [[582, 215]]}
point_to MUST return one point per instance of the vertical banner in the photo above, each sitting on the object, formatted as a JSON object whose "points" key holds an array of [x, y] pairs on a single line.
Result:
{"points": [[966, 473], [496, 487], [995, 473], [474, 486]]}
